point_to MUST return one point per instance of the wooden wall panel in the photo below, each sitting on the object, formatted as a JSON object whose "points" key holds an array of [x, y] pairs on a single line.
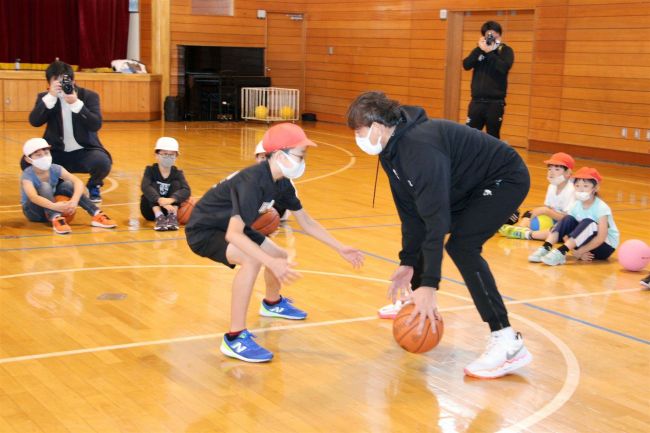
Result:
{"points": [[588, 61], [604, 82], [145, 33]]}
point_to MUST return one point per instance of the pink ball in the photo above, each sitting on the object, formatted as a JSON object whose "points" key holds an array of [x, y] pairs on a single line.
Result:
{"points": [[634, 255]]}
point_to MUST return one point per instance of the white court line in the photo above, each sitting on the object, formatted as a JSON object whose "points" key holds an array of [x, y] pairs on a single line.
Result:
{"points": [[198, 337], [571, 381], [568, 388], [353, 159]]}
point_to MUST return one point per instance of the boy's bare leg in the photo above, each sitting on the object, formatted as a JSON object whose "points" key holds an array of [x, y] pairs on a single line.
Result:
{"points": [[242, 286], [272, 284]]}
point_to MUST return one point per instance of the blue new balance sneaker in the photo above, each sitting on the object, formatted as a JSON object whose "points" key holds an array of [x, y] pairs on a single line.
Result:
{"points": [[94, 194], [243, 347], [283, 309]]}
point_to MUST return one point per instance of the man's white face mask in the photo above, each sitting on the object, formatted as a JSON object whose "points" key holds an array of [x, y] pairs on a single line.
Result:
{"points": [[365, 144]]}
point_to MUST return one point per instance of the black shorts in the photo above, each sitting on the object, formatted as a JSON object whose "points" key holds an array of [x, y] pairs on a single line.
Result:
{"points": [[212, 243]]}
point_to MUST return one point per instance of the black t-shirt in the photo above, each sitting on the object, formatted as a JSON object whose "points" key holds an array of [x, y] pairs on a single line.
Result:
{"points": [[246, 193], [154, 185]]}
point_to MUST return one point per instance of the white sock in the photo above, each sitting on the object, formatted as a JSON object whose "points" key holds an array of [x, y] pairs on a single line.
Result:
{"points": [[157, 213], [506, 333]]}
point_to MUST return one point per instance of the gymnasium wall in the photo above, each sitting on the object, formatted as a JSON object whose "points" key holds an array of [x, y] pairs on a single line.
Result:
{"points": [[590, 73]]}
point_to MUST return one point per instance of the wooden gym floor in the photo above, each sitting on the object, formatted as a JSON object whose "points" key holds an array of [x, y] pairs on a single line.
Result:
{"points": [[118, 330]]}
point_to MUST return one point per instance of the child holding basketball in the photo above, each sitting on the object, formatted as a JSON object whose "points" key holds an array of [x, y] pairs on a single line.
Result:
{"points": [[560, 196], [589, 229], [164, 187], [261, 155], [42, 180], [220, 229]]}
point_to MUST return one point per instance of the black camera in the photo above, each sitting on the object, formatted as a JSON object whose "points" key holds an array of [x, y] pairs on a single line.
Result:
{"points": [[489, 39], [66, 85]]}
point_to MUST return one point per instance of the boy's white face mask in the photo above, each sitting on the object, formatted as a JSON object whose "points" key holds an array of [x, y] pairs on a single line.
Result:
{"points": [[365, 144], [42, 163], [296, 170], [583, 195], [556, 180]]}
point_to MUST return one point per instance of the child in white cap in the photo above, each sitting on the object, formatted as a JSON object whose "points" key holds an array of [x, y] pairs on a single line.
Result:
{"points": [[164, 187], [41, 181]]}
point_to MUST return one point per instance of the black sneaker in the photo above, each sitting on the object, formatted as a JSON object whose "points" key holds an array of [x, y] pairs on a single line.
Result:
{"points": [[161, 223], [172, 222]]}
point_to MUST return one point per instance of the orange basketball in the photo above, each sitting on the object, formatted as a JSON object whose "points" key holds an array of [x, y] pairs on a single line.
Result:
{"points": [[185, 211], [68, 217], [407, 337], [268, 222]]}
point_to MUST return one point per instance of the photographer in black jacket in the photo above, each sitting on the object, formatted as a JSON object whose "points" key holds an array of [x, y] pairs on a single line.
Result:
{"points": [[73, 118], [491, 61], [446, 178]]}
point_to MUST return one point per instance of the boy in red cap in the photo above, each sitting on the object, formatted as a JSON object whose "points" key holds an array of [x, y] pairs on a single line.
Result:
{"points": [[560, 196], [589, 227], [220, 229]]}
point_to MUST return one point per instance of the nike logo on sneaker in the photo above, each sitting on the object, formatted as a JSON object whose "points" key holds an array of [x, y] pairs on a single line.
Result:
{"points": [[510, 355]]}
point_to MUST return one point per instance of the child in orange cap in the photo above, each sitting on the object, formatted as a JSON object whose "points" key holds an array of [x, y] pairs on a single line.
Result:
{"points": [[589, 227], [560, 196], [261, 155], [220, 229]]}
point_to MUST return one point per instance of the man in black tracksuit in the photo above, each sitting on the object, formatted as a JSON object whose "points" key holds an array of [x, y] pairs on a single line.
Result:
{"points": [[446, 178], [491, 61]]}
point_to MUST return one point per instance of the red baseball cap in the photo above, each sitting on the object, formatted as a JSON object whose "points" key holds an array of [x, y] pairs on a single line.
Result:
{"points": [[561, 158], [285, 136], [588, 173]]}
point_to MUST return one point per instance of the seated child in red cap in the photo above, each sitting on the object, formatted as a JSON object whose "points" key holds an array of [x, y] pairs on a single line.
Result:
{"points": [[559, 199], [220, 229], [588, 231]]}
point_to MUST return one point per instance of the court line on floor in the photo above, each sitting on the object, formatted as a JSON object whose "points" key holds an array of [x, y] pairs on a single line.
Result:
{"points": [[559, 399], [512, 300]]}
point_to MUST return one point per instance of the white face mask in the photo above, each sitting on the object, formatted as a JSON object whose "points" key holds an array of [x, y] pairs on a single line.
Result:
{"points": [[556, 180], [166, 161], [296, 170], [365, 144], [583, 195], [42, 163]]}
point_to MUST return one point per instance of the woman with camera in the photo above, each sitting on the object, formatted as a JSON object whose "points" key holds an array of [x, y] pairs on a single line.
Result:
{"points": [[73, 117]]}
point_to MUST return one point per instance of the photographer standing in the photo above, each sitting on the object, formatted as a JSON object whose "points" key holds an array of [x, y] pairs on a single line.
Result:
{"points": [[491, 60], [73, 118]]}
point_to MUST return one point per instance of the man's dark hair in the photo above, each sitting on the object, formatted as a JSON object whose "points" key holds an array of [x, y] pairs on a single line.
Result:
{"points": [[491, 25], [372, 107], [58, 68]]}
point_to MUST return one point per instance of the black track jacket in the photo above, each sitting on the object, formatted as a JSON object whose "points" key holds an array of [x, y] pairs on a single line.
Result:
{"points": [[434, 166]]}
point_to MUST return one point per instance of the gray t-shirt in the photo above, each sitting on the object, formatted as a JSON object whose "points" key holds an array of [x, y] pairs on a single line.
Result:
{"points": [[30, 175]]}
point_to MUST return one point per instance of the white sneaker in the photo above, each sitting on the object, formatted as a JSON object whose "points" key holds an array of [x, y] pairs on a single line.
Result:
{"points": [[504, 354], [390, 311], [536, 257]]}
